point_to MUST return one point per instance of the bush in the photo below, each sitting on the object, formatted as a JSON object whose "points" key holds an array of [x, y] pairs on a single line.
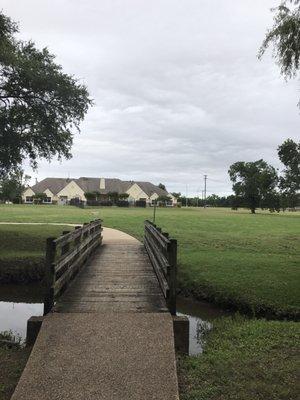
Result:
{"points": [[123, 203], [75, 202], [99, 203], [140, 203]]}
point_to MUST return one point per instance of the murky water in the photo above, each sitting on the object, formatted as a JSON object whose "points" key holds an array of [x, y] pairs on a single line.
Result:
{"points": [[201, 315], [17, 304]]}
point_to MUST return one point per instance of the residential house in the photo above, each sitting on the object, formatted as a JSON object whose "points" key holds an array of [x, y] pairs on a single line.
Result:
{"points": [[62, 190]]}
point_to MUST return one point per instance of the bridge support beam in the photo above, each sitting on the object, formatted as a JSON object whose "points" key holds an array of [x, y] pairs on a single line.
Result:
{"points": [[181, 327], [33, 327]]}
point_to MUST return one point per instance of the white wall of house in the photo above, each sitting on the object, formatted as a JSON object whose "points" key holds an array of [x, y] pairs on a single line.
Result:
{"points": [[71, 191], [153, 197], [174, 200], [28, 193], [136, 193], [50, 196]]}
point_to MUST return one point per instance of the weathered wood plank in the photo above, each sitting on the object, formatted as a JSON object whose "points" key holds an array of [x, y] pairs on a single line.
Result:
{"points": [[116, 278]]}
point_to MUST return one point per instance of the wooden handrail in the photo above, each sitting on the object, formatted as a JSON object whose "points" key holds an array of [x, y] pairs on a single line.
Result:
{"points": [[162, 252], [64, 257]]}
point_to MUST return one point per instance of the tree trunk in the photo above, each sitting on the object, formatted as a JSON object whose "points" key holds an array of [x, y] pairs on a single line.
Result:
{"points": [[252, 210]]}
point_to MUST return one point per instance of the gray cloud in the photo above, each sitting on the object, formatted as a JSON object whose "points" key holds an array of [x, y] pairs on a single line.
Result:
{"points": [[179, 91]]}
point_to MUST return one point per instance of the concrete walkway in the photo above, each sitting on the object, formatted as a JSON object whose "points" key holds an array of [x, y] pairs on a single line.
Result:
{"points": [[102, 356], [110, 337], [114, 236]]}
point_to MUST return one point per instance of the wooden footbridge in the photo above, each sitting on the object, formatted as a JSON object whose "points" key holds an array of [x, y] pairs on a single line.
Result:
{"points": [[107, 332]]}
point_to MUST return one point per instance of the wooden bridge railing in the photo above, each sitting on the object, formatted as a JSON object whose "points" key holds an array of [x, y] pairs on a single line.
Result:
{"points": [[162, 252], [65, 255]]}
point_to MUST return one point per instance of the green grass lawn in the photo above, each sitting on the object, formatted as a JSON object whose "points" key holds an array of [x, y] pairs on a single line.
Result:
{"points": [[244, 360], [250, 262]]}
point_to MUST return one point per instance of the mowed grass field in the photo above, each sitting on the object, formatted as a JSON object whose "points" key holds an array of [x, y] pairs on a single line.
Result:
{"points": [[250, 262]]}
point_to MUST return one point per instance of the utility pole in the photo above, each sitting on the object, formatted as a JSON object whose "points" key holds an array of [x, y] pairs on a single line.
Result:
{"points": [[186, 195], [205, 179]]}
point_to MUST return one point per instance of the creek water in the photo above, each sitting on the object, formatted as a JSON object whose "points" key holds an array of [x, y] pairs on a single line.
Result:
{"points": [[201, 315], [19, 302]]}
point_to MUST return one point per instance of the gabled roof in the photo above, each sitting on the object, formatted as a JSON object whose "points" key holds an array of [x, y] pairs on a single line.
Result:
{"points": [[55, 185], [149, 189], [88, 184], [111, 185], [115, 185]]}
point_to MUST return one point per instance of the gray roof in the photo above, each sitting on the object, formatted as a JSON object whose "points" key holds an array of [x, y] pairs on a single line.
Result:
{"points": [[55, 185], [149, 188], [88, 184]]}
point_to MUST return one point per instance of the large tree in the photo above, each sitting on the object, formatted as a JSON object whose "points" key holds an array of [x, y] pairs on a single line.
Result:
{"points": [[40, 105], [289, 155], [285, 38], [254, 183]]}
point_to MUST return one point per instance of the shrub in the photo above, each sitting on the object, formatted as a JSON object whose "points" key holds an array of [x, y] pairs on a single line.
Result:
{"points": [[123, 203], [140, 203], [99, 203]]}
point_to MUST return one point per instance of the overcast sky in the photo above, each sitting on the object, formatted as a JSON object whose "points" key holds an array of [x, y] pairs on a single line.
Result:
{"points": [[178, 89]]}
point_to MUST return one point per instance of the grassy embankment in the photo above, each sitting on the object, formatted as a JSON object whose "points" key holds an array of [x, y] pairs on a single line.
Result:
{"points": [[244, 360], [22, 251], [12, 360], [234, 258]]}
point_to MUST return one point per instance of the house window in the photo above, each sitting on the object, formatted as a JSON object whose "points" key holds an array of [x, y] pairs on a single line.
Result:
{"points": [[47, 200], [29, 199]]}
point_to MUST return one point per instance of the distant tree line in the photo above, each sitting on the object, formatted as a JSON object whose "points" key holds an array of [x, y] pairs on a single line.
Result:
{"points": [[258, 185], [212, 200]]}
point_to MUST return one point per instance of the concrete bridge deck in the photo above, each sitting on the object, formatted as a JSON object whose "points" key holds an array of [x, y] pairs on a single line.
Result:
{"points": [[110, 335]]}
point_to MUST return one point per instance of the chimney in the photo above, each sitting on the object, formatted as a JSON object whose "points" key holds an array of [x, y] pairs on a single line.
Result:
{"points": [[36, 181], [102, 183]]}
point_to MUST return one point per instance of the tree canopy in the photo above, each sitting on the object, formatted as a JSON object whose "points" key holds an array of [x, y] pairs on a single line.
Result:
{"points": [[285, 38], [176, 195], [254, 183], [40, 105], [162, 186]]}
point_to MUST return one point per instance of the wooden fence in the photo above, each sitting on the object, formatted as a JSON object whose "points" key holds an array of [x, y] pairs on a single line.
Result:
{"points": [[65, 255], [162, 252]]}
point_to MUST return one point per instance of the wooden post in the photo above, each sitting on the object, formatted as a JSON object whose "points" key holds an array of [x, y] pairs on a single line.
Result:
{"points": [[154, 212], [172, 254], [49, 274]]}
